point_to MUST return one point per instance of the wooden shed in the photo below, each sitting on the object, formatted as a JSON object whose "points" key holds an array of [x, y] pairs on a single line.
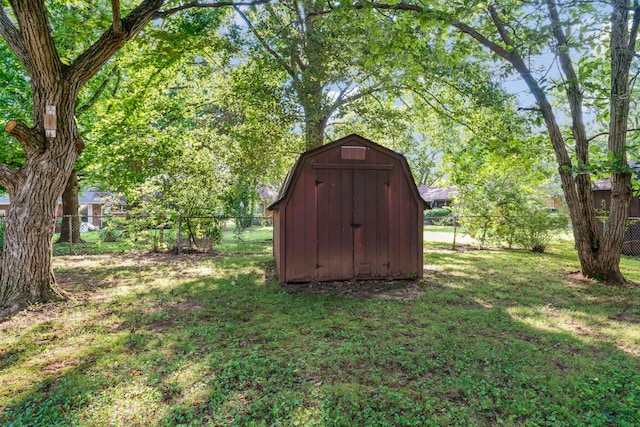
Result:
{"points": [[348, 210]]}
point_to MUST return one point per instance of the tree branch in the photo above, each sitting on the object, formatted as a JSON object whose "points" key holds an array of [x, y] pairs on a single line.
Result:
{"points": [[384, 6], [14, 39], [115, 12], [574, 93], [514, 58], [296, 58], [92, 59], [266, 46], [37, 39], [501, 27], [633, 32], [536, 109], [96, 95], [197, 5], [443, 110], [607, 133], [32, 143], [494, 47], [340, 100]]}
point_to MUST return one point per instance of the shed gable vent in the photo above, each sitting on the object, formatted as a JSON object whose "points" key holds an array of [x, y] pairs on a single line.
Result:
{"points": [[353, 152]]}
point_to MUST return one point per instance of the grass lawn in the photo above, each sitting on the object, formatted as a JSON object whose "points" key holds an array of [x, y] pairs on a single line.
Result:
{"points": [[488, 337], [255, 239]]}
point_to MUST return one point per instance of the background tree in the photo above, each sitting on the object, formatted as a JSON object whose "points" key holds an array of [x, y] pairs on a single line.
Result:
{"points": [[323, 53]]}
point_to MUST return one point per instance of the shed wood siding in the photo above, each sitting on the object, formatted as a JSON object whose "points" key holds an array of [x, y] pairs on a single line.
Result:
{"points": [[602, 199], [349, 209]]}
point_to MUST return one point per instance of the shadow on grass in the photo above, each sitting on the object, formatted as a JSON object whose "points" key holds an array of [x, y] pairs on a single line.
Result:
{"points": [[484, 345]]}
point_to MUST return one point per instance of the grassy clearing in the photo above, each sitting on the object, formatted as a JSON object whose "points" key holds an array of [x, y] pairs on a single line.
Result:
{"points": [[489, 337]]}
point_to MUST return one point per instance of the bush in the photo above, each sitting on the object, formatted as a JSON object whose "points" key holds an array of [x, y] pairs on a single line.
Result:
{"points": [[111, 230], [438, 216], [437, 212], [503, 212], [536, 229]]}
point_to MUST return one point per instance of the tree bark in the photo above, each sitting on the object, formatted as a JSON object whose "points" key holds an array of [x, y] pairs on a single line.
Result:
{"points": [[314, 128], [622, 42], [26, 264], [26, 273], [70, 226]]}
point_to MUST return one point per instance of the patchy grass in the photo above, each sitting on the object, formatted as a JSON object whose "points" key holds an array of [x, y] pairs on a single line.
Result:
{"points": [[487, 338], [251, 240]]}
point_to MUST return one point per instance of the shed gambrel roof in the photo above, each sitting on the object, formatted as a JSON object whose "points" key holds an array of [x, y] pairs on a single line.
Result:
{"points": [[293, 174]]}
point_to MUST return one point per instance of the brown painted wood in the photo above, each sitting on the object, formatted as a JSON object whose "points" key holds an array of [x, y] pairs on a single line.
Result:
{"points": [[371, 252], [351, 166], [343, 217]]}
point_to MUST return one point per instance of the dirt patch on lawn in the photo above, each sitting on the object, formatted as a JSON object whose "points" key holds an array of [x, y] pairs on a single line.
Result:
{"points": [[366, 289], [460, 247]]}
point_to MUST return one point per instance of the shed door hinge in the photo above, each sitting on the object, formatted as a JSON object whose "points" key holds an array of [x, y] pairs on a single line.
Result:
{"points": [[319, 182], [318, 266]]}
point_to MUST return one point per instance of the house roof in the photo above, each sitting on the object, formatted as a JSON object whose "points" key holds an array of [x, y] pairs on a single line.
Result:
{"points": [[268, 192], [292, 175], [430, 194], [604, 184], [87, 197]]}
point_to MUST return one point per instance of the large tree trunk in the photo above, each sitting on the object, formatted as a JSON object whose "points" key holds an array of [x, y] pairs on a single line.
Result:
{"points": [[26, 265], [315, 114], [26, 274], [623, 40], [70, 227], [314, 130]]}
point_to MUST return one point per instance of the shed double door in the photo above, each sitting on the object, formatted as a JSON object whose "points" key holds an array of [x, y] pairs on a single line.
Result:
{"points": [[353, 222]]}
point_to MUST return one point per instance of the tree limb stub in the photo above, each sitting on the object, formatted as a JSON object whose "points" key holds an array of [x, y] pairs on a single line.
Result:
{"points": [[30, 141]]}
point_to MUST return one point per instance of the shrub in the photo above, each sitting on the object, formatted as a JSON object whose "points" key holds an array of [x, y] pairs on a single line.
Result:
{"points": [[503, 212], [537, 227], [438, 216], [437, 212], [111, 230]]}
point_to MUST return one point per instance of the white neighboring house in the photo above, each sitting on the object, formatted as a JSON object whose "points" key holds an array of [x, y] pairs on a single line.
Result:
{"points": [[93, 205]]}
